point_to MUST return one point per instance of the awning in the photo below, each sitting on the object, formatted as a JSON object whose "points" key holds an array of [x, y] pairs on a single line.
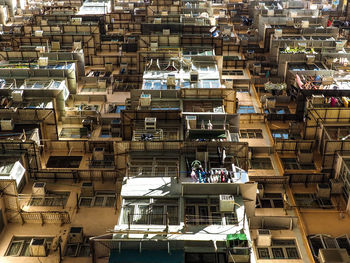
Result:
{"points": [[236, 237], [147, 256]]}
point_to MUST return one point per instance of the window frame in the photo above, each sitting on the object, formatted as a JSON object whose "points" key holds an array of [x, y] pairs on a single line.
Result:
{"points": [[282, 248], [251, 134], [26, 240]]}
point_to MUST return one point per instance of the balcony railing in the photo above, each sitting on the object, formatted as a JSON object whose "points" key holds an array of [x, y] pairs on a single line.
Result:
{"points": [[152, 219]]}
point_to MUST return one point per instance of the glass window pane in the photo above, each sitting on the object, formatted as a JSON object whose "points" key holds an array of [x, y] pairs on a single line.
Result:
{"points": [[277, 252], [14, 248], [25, 249], [292, 252], [157, 215], [84, 251], [110, 201], [85, 201], [35, 201], [99, 201], [141, 217], [263, 253], [71, 250], [129, 209], [173, 215]]}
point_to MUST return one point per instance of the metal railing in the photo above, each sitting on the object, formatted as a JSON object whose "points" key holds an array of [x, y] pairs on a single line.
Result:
{"points": [[202, 220], [151, 219], [53, 217]]}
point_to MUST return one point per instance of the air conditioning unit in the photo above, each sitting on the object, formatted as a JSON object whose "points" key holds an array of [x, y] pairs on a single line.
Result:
{"points": [[191, 122], [38, 33], [37, 247], [336, 186], [164, 13], [77, 45], [39, 188], [43, 61], [166, 32], [317, 99], [145, 100], [55, 45], [154, 46], [171, 80], [222, 13], [43, 22], [87, 189], [305, 156], [102, 83], [41, 49], [333, 255], [98, 154], [76, 20], [7, 124], [157, 20], [305, 24], [108, 67], [17, 95], [270, 103], [310, 59], [278, 32], [194, 76], [293, 14], [150, 123], [256, 68], [327, 80], [76, 235], [227, 203], [263, 238], [339, 45], [270, 12], [323, 191]]}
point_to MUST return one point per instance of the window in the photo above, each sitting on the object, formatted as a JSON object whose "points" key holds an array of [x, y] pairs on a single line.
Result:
{"points": [[251, 134], [270, 200], [293, 164], [280, 249], [261, 163], [245, 109], [101, 199], [199, 211], [50, 199], [280, 134], [152, 211], [78, 249], [19, 246], [311, 201]]}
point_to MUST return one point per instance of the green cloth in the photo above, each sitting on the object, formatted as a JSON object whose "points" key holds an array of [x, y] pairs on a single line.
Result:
{"points": [[236, 237]]}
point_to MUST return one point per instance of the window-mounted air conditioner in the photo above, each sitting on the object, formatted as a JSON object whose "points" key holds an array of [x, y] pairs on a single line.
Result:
{"points": [[7, 124], [98, 154], [145, 100], [263, 238], [227, 203], [87, 189], [75, 235], [76, 20], [37, 247], [39, 188]]}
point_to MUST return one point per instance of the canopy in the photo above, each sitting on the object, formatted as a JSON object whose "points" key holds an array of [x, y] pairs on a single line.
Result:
{"points": [[236, 237]]}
